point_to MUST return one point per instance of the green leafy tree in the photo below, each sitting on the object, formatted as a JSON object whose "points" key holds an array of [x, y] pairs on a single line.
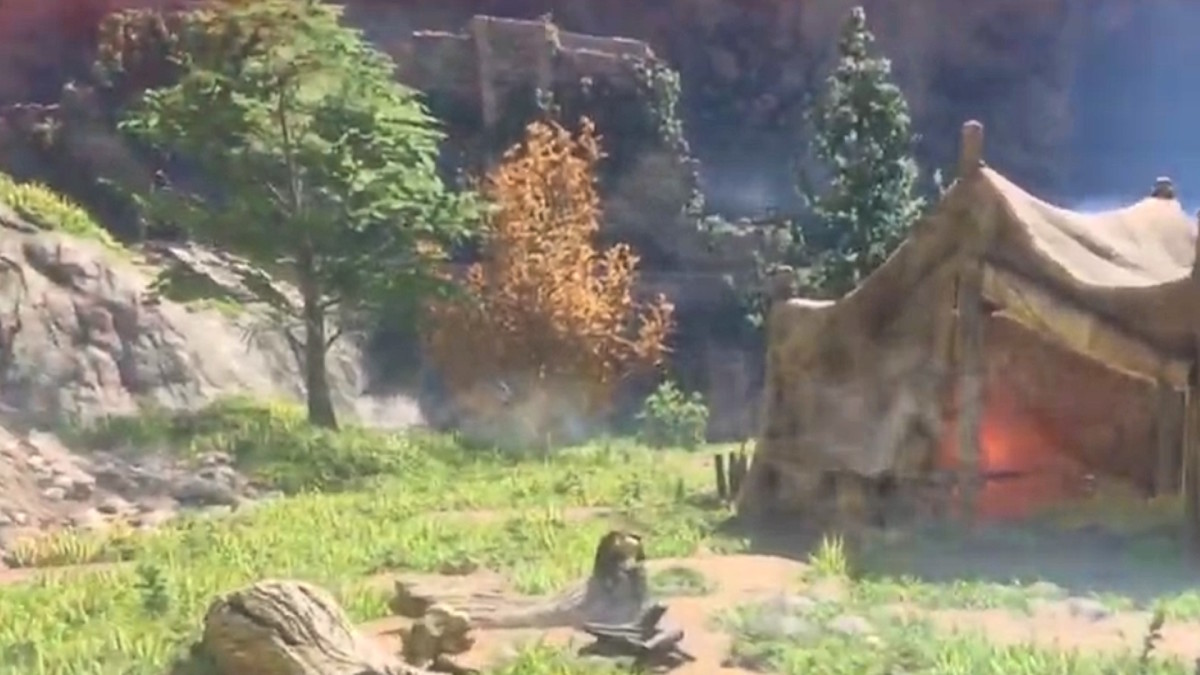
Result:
{"points": [[312, 162], [864, 140]]}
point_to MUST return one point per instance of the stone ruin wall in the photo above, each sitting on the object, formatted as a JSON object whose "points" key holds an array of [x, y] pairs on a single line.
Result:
{"points": [[494, 57]]}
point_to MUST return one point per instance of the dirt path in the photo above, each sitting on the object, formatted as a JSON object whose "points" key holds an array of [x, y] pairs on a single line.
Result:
{"points": [[1054, 626], [737, 580]]}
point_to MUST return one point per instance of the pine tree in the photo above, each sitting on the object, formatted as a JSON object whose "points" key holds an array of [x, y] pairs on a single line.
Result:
{"points": [[863, 138]]}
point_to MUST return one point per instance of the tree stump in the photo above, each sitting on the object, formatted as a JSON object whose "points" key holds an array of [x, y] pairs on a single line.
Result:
{"points": [[441, 633], [289, 628]]}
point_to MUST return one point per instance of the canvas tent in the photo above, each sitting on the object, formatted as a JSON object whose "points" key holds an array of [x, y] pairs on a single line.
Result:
{"points": [[998, 305]]}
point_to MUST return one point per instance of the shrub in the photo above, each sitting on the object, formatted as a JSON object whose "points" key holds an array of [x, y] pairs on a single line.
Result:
{"points": [[547, 314], [670, 418], [49, 210]]}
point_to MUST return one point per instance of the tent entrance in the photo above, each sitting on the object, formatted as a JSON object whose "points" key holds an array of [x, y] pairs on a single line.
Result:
{"points": [[1023, 466], [1055, 423]]}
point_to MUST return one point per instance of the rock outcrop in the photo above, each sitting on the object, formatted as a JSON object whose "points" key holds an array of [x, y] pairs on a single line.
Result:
{"points": [[747, 67], [45, 486], [86, 337]]}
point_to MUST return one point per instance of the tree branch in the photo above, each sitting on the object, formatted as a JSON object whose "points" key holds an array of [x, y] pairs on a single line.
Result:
{"points": [[330, 302], [334, 336]]}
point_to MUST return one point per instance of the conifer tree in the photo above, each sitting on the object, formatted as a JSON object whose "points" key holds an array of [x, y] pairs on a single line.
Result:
{"points": [[863, 138]]}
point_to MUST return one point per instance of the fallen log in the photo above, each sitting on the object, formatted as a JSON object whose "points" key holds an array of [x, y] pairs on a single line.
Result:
{"points": [[286, 628], [615, 592]]}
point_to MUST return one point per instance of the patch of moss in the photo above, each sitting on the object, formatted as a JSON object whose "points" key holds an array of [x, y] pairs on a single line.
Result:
{"points": [[48, 210], [194, 290]]}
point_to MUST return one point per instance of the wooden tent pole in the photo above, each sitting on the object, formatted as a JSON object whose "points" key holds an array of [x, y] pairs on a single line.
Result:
{"points": [[970, 371], [970, 384]]}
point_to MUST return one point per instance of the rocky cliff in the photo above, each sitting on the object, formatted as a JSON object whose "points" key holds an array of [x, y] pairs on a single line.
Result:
{"points": [[750, 68], [83, 335], [747, 68]]}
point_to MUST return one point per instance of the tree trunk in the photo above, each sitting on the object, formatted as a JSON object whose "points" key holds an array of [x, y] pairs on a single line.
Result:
{"points": [[316, 375]]}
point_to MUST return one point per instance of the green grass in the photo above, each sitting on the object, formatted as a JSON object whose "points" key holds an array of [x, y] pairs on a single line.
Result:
{"points": [[134, 619], [274, 443], [365, 503], [799, 638], [45, 208]]}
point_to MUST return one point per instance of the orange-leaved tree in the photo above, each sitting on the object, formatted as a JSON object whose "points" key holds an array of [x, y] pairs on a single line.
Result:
{"points": [[548, 314]]}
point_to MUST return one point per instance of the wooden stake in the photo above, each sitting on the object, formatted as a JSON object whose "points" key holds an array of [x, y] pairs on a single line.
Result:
{"points": [[722, 483]]}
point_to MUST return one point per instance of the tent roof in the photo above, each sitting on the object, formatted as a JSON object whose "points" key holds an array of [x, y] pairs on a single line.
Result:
{"points": [[1115, 285], [1145, 244]]}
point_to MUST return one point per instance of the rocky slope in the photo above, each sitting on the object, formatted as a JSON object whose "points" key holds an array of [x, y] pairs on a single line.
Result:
{"points": [[83, 334], [747, 67]]}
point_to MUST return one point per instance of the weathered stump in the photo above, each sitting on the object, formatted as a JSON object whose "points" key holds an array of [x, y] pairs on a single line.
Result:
{"points": [[438, 635], [288, 628]]}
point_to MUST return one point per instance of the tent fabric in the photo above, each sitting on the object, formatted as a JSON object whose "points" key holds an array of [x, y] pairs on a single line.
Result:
{"points": [[1148, 243], [1131, 265], [882, 354]]}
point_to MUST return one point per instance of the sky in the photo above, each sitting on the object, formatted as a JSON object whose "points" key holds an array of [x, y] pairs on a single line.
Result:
{"points": [[1137, 110]]}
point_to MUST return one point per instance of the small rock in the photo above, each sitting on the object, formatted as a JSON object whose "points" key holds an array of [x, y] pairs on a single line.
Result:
{"points": [[89, 519], [215, 459], [772, 625], [76, 486], [220, 474], [55, 493], [793, 604], [1088, 609], [851, 625], [115, 480], [151, 519], [5, 519], [112, 505], [198, 491], [19, 518], [219, 511]]}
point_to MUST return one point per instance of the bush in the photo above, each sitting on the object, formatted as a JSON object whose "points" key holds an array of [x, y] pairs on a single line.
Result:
{"points": [[273, 442], [547, 325], [670, 418], [49, 210]]}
